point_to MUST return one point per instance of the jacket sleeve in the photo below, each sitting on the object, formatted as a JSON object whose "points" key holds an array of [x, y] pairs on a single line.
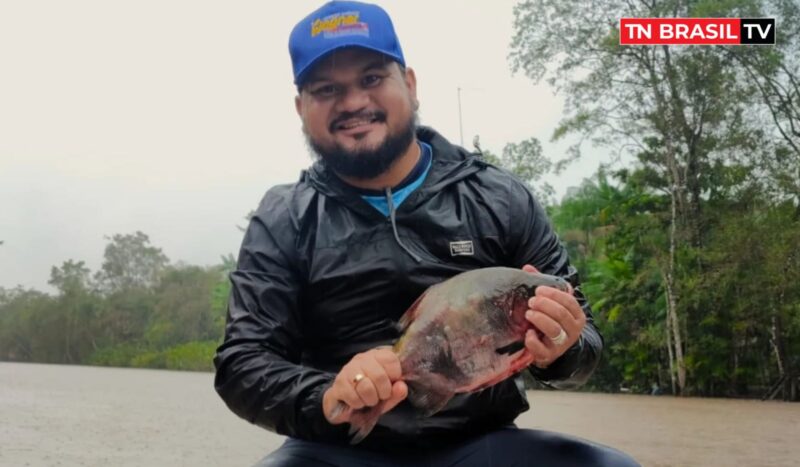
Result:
{"points": [[535, 242], [258, 370]]}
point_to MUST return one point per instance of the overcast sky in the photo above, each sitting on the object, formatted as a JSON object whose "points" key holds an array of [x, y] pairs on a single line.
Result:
{"points": [[173, 117]]}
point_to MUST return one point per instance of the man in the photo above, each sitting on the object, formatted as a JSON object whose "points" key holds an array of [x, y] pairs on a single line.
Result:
{"points": [[329, 264]]}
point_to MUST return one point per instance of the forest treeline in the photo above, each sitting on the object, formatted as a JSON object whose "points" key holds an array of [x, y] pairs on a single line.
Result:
{"points": [[138, 310]]}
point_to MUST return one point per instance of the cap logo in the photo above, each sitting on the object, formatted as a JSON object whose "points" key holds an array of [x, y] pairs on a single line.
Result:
{"points": [[339, 24]]}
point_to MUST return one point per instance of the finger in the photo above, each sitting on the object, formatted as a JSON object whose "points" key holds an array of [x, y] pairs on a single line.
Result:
{"points": [[564, 299], [367, 392], [399, 393], [346, 392], [335, 410], [377, 375], [537, 346], [343, 388], [530, 269], [544, 323], [390, 362], [553, 309]]}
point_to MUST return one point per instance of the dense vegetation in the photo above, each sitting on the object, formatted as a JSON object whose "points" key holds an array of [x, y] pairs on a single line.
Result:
{"points": [[692, 251], [137, 310]]}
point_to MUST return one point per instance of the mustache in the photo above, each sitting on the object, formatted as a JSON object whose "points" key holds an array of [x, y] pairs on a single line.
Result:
{"points": [[364, 114]]}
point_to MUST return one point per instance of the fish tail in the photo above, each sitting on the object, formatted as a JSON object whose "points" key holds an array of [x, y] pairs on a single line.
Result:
{"points": [[363, 421]]}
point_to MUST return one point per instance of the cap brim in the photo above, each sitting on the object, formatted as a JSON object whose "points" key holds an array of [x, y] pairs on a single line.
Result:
{"points": [[298, 81]]}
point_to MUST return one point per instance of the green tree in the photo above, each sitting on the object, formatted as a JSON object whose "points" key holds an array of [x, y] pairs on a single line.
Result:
{"points": [[183, 309], [682, 111], [744, 340], [610, 232], [525, 160], [129, 262], [775, 72], [141, 312], [20, 339], [71, 278], [129, 274], [75, 310]]}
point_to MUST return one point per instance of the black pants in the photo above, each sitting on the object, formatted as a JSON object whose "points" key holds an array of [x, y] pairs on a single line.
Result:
{"points": [[502, 448]]}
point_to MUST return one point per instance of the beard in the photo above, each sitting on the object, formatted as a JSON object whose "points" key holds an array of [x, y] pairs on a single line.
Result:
{"points": [[365, 163]]}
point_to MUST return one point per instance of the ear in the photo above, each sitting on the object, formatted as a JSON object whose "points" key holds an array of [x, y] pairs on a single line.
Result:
{"points": [[411, 83], [298, 105]]}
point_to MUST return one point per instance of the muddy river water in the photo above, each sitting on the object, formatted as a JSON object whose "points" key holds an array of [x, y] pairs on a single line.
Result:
{"points": [[89, 416]]}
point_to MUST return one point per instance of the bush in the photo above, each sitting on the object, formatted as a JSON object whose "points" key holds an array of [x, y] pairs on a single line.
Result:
{"points": [[118, 355], [152, 359], [193, 356]]}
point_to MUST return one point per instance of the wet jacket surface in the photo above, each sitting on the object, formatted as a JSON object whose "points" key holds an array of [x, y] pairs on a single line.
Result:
{"points": [[322, 275]]}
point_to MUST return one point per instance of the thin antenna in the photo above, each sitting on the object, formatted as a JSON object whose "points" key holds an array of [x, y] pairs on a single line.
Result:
{"points": [[460, 123]]}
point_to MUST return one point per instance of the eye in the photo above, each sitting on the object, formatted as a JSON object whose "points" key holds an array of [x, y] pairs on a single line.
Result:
{"points": [[370, 81], [325, 90]]}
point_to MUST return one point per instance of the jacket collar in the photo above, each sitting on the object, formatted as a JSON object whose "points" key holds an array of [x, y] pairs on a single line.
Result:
{"points": [[450, 164]]}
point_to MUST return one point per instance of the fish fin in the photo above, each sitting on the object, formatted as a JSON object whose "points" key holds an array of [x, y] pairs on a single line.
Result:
{"points": [[427, 398], [522, 359], [363, 421], [511, 348], [338, 409], [410, 315], [516, 362]]}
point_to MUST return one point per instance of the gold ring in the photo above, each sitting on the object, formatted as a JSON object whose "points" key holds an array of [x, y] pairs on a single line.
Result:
{"points": [[357, 378], [560, 338]]}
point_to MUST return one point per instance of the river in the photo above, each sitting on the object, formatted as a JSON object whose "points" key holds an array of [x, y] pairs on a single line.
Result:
{"points": [[91, 416]]}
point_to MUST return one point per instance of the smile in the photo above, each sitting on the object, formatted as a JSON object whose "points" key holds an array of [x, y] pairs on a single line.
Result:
{"points": [[355, 123]]}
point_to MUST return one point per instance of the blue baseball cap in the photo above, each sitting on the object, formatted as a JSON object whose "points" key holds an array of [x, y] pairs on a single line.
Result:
{"points": [[336, 25]]}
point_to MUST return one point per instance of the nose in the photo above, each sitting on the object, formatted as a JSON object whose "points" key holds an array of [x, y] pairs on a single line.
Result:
{"points": [[353, 99]]}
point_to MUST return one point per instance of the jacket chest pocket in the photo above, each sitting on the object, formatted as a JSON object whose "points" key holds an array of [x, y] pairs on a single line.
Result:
{"points": [[468, 251]]}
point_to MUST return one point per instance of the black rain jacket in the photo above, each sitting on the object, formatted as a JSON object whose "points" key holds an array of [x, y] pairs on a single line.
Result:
{"points": [[322, 275]]}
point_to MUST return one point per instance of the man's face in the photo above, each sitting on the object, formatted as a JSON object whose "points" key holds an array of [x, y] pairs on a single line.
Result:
{"points": [[358, 111]]}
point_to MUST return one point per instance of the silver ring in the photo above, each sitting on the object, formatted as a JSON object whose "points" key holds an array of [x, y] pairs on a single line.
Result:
{"points": [[560, 338], [357, 378]]}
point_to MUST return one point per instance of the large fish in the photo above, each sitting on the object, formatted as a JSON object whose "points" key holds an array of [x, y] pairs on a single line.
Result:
{"points": [[461, 335]]}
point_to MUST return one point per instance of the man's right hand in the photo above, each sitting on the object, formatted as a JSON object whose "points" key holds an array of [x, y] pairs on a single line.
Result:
{"points": [[368, 379]]}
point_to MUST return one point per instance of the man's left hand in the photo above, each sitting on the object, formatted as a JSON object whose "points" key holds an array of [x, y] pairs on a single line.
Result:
{"points": [[552, 312]]}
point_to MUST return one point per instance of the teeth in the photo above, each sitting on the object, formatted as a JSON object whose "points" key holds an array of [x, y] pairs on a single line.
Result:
{"points": [[355, 123]]}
